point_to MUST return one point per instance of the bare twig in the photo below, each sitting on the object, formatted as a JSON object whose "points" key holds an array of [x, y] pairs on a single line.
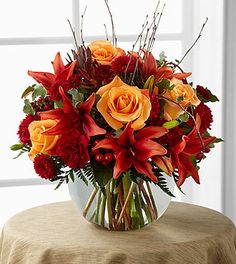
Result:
{"points": [[73, 33], [114, 38], [194, 43], [81, 26], [106, 31]]}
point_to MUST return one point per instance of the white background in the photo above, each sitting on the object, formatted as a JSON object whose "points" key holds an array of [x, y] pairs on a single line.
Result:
{"points": [[33, 31]]}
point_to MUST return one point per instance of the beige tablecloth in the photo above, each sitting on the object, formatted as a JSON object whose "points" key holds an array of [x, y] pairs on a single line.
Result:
{"points": [[56, 234]]}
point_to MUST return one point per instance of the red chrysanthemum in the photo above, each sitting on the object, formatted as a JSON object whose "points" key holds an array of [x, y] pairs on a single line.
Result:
{"points": [[172, 137], [155, 111], [206, 117], [203, 92], [44, 166], [119, 65], [73, 150], [23, 132]]}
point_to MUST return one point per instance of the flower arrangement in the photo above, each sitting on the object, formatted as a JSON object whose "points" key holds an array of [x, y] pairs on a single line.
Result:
{"points": [[110, 115]]}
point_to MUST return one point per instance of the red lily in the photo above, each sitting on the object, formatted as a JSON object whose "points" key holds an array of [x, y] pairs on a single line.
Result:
{"points": [[188, 146], [61, 74], [69, 118], [130, 150], [150, 67]]}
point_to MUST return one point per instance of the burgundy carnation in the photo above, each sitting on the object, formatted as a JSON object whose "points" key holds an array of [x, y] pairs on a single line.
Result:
{"points": [[206, 117], [23, 131], [119, 65], [172, 137], [203, 92], [44, 166], [155, 111], [73, 150]]}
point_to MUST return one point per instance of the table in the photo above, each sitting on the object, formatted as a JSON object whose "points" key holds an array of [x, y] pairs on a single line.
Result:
{"points": [[56, 234]]}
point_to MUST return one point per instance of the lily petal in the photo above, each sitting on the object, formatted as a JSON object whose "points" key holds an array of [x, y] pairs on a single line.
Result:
{"points": [[57, 64], [124, 161], [151, 132], [45, 78], [90, 127], [146, 169], [127, 137]]}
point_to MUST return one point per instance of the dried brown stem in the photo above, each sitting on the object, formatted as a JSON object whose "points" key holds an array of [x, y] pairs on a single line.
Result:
{"points": [[81, 26], [90, 201], [73, 33], [125, 204], [106, 31], [194, 43], [114, 38]]}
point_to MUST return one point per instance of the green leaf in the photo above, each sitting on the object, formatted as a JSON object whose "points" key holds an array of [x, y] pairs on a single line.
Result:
{"points": [[102, 174], [28, 109], [171, 124], [58, 104], [165, 84], [218, 140], [77, 97], [72, 175], [27, 91], [179, 98], [39, 90], [162, 183], [184, 117], [162, 58], [16, 146]]}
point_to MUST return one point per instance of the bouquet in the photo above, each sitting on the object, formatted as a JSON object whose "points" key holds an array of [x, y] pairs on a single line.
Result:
{"points": [[120, 119]]}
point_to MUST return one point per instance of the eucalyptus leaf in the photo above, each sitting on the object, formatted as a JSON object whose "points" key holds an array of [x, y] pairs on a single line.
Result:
{"points": [[28, 109], [39, 90], [27, 91], [77, 97]]}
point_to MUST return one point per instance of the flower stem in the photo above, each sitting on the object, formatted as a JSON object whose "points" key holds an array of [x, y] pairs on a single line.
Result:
{"points": [[103, 210], [125, 204], [90, 201], [152, 200], [98, 207], [109, 210]]}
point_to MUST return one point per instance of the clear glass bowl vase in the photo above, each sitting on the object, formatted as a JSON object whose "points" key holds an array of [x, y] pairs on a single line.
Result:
{"points": [[121, 205]]}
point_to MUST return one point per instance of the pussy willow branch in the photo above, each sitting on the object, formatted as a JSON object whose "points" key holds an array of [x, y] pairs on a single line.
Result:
{"points": [[194, 43], [106, 31], [156, 27], [81, 26], [192, 117], [73, 33], [144, 25], [114, 38]]}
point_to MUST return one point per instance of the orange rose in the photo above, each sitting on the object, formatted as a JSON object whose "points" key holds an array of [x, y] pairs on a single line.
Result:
{"points": [[41, 143], [104, 52], [121, 103], [182, 92]]}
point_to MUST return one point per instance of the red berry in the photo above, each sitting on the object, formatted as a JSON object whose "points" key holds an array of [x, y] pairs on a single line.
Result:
{"points": [[108, 157], [47, 107], [99, 157]]}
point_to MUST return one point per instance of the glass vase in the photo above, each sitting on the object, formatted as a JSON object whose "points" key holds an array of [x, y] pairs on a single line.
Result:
{"points": [[121, 205]]}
